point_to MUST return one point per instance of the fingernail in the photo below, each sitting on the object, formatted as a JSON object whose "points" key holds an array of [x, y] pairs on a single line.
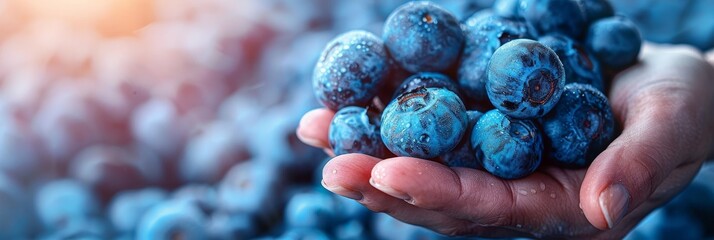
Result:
{"points": [[310, 141], [390, 191], [613, 203], [339, 190]]}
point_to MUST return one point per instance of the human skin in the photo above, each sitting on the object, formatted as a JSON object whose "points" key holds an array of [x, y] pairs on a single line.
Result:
{"points": [[665, 106]]}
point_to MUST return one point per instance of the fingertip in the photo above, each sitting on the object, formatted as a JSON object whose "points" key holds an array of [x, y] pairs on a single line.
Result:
{"points": [[314, 126], [347, 174]]}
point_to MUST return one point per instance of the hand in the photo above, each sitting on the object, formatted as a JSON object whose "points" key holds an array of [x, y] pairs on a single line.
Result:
{"points": [[666, 107]]}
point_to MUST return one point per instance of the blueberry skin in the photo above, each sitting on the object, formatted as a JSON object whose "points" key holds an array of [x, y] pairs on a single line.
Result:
{"points": [[525, 79], [597, 9], [556, 16], [224, 225], [615, 41], [354, 130], [251, 187], [424, 123], [423, 37], [511, 9], [127, 207], [14, 210], [311, 210], [350, 70], [579, 64], [485, 32], [172, 220], [79, 204], [508, 148], [463, 155], [427, 80], [579, 127]]}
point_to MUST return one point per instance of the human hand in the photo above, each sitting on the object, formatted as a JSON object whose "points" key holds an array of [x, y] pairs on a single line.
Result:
{"points": [[666, 107]]}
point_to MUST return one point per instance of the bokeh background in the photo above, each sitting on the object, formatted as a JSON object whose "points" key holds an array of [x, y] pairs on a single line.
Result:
{"points": [[118, 117]]}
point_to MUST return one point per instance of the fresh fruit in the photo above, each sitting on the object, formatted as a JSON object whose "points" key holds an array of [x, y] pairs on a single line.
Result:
{"points": [[126, 208], [463, 155], [579, 127], [525, 79], [426, 80], [507, 147], [423, 37], [615, 41], [556, 16], [580, 66], [172, 220], [350, 70], [424, 123], [356, 130]]}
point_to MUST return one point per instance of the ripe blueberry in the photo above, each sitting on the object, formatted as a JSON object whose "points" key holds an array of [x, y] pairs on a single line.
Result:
{"points": [[580, 66], [615, 41], [427, 80], [356, 130], [556, 16]]}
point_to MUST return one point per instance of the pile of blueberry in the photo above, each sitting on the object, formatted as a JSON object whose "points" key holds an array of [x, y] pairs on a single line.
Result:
{"points": [[502, 90]]}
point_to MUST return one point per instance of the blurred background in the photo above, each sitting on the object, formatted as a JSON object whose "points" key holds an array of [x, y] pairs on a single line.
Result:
{"points": [[125, 119]]}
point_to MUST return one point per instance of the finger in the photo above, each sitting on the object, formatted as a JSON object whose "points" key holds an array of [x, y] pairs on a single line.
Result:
{"points": [[658, 103], [710, 57], [314, 127], [348, 175], [525, 205]]}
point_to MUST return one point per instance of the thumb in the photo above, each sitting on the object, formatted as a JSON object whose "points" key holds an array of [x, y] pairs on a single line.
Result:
{"points": [[655, 156]]}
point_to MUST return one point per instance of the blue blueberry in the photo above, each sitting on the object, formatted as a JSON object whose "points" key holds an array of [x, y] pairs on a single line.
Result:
{"points": [[512, 9], [615, 41], [205, 197], [356, 130], [427, 80], [126, 208], [525, 79], [597, 9], [226, 226], [304, 234], [579, 64], [556, 16], [387, 227], [209, 154], [663, 224], [424, 123], [508, 148], [350, 70], [107, 170], [172, 220], [251, 187], [311, 210], [14, 211], [423, 37], [463, 155], [485, 32], [88, 229], [352, 230], [580, 126], [79, 205]]}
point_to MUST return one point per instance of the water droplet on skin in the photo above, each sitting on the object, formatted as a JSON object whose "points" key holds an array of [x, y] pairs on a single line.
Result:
{"points": [[492, 184], [533, 190], [334, 171], [552, 195], [519, 226], [542, 186], [523, 192], [419, 173]]}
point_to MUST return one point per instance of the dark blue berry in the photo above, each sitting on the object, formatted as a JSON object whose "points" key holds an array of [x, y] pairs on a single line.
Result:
{"points": [[556, 16], [426, 80], [580, 126], [355, 130], [424, 123], [350, 70], [525, 79], [597, 9], [423, 37], [172, 220], [512, 9], [485, 33], [508, 148], [463, 155], [615, 41], [580, 66]]}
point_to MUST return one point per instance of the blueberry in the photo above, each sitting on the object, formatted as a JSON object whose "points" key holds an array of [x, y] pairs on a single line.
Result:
{"points": [[424, 123], [427, 80], [615, 41], [579, 64], [387, 227], [525, 79], [79, 205], [127, 207], [597, 9], [304, 234], [423, 37], [205, 197], [172, 220], [508, 148], [463, 155], [356, 130], [107, 170], [556, 16], [580, 126], [311, 210], [14, 210], [485, 33], [209, 154], [251, 187], [350, 70], [512, 9], [226, 226], [664, 224]]}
